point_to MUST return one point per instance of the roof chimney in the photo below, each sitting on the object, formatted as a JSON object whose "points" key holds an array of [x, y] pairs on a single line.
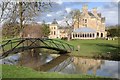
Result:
{"points": [[94, 11], [85, 8]]}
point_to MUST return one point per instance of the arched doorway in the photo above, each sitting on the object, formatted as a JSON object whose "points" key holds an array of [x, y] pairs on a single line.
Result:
{"points": [[90, 35], [93, 35], [76, 35], [101, 34], [83, 35], [97, 34], [73, 35]]}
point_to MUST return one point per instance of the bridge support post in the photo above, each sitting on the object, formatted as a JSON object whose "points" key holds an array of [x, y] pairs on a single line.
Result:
{"points": [[11, 44]]}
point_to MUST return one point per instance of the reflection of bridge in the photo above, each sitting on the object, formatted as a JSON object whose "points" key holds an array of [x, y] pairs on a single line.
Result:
{"points": [[57, 64], [21, 44]]}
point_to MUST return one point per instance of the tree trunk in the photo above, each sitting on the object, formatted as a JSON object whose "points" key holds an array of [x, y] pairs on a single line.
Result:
{"points": [[78, 22], [69, 33], [21, 17]]}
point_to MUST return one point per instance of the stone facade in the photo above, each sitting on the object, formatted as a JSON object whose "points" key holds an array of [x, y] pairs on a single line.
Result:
{"points": [[53, 31], [57, 31], [91, 22]]}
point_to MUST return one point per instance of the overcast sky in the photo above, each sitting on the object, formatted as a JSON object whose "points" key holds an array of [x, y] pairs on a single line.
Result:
{"points": [[59, 9]]}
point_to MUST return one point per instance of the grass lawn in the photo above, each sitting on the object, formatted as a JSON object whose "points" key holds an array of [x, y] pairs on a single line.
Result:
{"points": [[99, 48], [12, 71]]}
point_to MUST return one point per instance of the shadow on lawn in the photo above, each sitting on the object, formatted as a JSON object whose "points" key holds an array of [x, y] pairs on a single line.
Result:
{"points": [[108, 51]]}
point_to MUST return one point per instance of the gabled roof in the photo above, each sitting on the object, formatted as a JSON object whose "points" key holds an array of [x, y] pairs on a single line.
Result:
{"points": [[91, 14], [54, 22], [84, 30], [61, 27], [99, 14], [103, 19]]}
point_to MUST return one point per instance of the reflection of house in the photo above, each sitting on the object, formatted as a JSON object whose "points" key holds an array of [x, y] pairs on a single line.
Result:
{"points": [[84, 65], [91, 25]]}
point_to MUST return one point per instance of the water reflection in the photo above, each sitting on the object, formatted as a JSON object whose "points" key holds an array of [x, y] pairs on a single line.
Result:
{"points": [[34, 60], [65, 64], [91, 66], [78, 65], [83, 65], [62, 65]]}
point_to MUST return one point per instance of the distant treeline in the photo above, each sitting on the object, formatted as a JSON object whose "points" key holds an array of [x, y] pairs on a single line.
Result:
{"points": [[10, 30], [113, 31]]}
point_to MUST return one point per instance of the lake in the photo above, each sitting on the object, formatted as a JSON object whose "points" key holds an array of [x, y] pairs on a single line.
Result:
{"points": [[64, 64]]}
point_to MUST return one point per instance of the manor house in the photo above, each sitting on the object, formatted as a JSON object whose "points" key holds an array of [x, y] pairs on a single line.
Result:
{"points": [[91, 25]]}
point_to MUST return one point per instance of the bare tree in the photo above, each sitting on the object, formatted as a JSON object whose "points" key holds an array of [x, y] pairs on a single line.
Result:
{"points": [[72, 18], [76, 16], [22, 12], [45, 29]]}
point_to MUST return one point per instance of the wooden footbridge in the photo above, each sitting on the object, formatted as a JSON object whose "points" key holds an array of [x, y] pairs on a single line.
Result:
{"points": [[20, 44]]}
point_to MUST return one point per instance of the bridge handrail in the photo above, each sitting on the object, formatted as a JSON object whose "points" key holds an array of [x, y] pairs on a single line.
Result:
{"points": [[9, 42], [5, 43], [58, 45], [10, 39], [62, 43], [18, 39]]}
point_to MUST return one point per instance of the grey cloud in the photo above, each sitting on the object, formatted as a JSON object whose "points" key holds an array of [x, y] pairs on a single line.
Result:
{"points": [[109, 11], [56, 8], [111, 5]]}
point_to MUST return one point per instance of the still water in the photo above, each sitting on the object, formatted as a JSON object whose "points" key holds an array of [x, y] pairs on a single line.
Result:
{"points": [[64, 64]]}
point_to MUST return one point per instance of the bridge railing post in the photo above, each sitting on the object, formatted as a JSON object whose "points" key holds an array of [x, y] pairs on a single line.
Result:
{"points": [[11, 44], [27, 42], [3, 49]]}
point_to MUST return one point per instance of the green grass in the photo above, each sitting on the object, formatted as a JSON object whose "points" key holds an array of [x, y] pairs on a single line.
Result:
{"points": [[96, 48], [12, 71]]}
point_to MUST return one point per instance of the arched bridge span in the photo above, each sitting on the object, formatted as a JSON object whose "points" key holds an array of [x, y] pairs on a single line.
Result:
{"points": [[21, 44]]}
